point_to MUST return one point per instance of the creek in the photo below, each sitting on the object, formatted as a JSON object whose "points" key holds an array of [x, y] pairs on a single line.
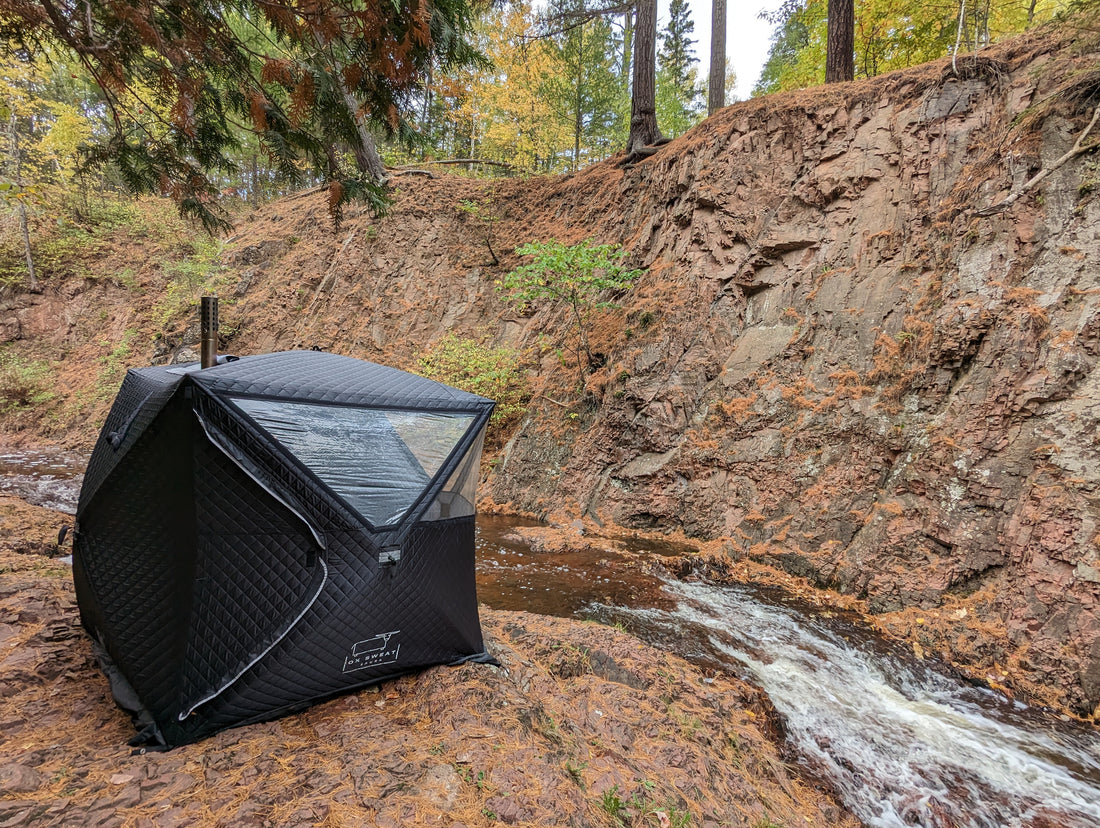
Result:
{"points": [[900, 740]]}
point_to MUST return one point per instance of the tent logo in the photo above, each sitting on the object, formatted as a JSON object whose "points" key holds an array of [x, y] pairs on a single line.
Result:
{"points": [[372, 652]]}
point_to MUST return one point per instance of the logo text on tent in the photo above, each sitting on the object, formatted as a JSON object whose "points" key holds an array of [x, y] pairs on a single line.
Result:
{"points": [[371, 652]]}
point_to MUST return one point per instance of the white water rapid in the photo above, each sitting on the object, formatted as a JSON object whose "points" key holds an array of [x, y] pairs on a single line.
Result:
{"points": [[900, 743]]}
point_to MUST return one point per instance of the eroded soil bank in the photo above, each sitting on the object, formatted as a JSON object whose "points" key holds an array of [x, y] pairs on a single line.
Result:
{"points": [[833, 366], [582, 726]]}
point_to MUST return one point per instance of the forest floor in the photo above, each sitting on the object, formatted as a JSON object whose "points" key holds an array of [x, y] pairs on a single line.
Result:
{"points": [[581, 725]]}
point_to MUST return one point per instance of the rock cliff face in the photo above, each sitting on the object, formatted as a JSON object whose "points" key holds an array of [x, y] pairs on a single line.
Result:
{"points": [[832, 363], [847, 372]]}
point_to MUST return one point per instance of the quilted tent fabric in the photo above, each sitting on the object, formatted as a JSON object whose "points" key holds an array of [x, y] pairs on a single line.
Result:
{"points": [[228, 569]]}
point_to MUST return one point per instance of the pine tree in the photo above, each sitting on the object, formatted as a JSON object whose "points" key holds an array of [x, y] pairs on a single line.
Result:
{"points": [[585, 92], [178, 79], [678, 104]]}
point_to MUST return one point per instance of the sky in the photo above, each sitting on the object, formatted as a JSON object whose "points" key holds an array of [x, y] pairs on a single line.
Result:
{"points": [[747, 37]]}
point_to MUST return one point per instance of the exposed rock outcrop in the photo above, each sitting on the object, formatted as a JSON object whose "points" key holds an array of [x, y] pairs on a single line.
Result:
{"points": [[832, 362]]}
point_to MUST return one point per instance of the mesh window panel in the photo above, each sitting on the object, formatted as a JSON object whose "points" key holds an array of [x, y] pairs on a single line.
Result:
{"points": [[378, 460]]}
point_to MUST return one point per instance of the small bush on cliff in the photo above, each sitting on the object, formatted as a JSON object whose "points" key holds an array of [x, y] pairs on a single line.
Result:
{"points": [[24, 383], [496, 373], [484, 214], [575, 274]]}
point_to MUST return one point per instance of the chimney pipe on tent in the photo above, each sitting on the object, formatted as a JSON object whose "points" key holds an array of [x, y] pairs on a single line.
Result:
{"points": [[208, 332]]}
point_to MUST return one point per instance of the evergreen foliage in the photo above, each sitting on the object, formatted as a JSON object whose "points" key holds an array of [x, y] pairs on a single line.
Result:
{"points": [[679, 102], [179, 83], [584, 93]]}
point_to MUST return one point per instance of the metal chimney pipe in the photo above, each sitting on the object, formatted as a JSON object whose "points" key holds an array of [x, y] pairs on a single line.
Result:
{"points": [[208, 332]]}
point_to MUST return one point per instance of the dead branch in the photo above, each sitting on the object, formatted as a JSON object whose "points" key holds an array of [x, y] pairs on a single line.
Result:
{"points": [[303, 193], [465, 161], [330, 276], [550, 399], [1079, 147], [414, 172]]}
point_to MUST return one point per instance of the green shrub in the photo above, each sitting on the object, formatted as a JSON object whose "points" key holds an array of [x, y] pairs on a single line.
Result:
{"points": [[575, 274], [24, 383], [493, 372]]}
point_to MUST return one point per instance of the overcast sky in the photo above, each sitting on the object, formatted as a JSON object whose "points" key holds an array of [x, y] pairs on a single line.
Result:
{"points": [[747, 37]]}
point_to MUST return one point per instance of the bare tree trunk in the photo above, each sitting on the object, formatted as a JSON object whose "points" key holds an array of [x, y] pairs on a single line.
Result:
{"points": [[716, 87], [578, 102], [366, 152], [840, 47], [32, 282], [643, 98], [17, 159], [628, 45], [255, 182]]}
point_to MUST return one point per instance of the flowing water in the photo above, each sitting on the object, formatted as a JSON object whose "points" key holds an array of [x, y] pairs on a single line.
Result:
{"points": [[44, 478], [901, 742]]}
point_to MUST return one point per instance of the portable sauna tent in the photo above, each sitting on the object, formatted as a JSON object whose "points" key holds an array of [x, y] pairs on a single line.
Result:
{"points": [[264, 533]]}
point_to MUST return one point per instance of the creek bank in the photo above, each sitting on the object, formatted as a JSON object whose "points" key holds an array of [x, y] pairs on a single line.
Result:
{"points": [[583, 726], [833, 364], [962, 633]]}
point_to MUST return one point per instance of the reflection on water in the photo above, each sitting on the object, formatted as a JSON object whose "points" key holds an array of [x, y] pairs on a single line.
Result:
{"points": [[511, 576], [901, 743]]}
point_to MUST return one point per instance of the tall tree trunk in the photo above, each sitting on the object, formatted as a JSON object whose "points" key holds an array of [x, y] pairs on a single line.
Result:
{"points": [[841, 44], [716, 86], [366, 154], [578, 100], [17, 160], [367, 158], [32, 282], [628, 45], [643, 97], [255, 182]]}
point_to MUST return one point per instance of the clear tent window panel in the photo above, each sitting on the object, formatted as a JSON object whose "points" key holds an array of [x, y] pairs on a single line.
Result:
{"points": [[377, 460], [460, 491]]}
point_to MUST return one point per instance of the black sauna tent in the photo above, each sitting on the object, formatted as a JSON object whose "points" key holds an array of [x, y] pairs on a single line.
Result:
{"points": [[268, 532]]}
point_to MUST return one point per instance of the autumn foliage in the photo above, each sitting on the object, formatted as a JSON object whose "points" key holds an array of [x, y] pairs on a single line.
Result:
{"points": [[183, 82]]}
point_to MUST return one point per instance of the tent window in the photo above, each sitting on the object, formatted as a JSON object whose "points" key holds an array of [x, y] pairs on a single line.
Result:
{"points": [[460, 491], [379, 461]]}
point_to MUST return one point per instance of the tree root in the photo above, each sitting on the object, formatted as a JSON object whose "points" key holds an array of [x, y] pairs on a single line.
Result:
{"points": [[1079, 148]]}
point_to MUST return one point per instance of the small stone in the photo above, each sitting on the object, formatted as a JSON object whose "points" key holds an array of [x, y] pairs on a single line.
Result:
{"points": [[440, 786], [19, 779], [506, 809]]}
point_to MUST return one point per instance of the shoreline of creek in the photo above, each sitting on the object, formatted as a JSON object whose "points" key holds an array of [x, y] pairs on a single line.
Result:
{"points": [[585, 726], [584, 555], [964, 633]]}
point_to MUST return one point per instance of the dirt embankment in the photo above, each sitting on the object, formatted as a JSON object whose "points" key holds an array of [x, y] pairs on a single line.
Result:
{"points": [[833, 365], [582, 726]]}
